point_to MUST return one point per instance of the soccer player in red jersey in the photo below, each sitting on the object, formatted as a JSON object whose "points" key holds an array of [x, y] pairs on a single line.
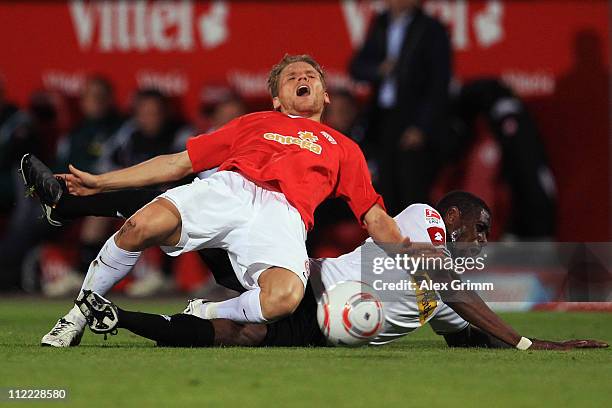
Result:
{"points": [[275, 168]]}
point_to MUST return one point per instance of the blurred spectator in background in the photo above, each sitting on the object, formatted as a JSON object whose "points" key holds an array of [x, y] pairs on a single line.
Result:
{"points": [[524, 163], [406, 57], [219, 104], [150, 131], [35, 130], [82, 147], [341, 114]]}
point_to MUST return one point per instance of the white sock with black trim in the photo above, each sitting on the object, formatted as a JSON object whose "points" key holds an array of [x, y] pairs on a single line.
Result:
{"points": [[110, 266], [245, 308]]}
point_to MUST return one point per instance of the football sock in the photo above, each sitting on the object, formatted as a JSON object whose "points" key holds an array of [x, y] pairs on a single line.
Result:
{"points": [[122, 203], [245, 308], [75, 316], [178, 330], [109, 267]]}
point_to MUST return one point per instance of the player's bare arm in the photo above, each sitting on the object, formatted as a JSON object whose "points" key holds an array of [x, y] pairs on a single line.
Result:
{"points": [[158, 170], [473, 309]]}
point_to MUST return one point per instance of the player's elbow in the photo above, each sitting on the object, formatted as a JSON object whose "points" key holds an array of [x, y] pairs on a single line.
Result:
{"points": [[381, 226], [179, 165]]}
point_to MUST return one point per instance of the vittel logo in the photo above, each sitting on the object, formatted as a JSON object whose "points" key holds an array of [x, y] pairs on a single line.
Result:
{"points": [[111, 26]]}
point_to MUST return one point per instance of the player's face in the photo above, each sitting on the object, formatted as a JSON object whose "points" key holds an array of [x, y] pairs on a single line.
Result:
{"points": [[473, 234], [301, 91]]}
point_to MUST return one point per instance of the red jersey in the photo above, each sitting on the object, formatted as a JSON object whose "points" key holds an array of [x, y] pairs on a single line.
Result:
{"points": [[305, 160]]}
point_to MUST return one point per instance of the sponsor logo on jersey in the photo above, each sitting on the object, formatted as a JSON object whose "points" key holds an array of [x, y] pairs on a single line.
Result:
{"points": [[426, 299], [437, 235], [306, 140], [329, 137], [432, 216]]}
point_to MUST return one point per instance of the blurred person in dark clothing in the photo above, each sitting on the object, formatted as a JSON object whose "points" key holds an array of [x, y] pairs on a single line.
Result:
{"points": [[406, 57], [82, 146], [341, 114], [218, 106], [35, 128], [524, 164], [150, 131]]}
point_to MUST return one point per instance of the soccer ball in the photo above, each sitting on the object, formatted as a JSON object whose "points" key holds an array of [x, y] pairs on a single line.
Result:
{"points": [[350, 313]]}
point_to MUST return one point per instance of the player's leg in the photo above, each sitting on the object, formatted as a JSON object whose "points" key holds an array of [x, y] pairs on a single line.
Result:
{"points": [[269, 258], [58, 205], [158, 223], [182, 330], [278, 295], [122, 203], [179, 330]]}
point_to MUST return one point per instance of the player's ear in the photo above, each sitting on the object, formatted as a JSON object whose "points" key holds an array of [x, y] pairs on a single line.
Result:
{"points": [[276, 103], [452, 216], [326, 98]]}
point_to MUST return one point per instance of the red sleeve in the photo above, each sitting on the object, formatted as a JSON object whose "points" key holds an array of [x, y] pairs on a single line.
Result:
{"points": [[355, 183], [210, 150]]}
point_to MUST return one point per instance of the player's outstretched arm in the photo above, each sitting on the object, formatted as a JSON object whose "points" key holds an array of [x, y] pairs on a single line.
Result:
{"points": [[158, 170], [473, 309], [472, 336]]}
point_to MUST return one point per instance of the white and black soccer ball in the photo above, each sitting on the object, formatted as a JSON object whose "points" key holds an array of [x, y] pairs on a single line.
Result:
{"points": [[350, 313]]}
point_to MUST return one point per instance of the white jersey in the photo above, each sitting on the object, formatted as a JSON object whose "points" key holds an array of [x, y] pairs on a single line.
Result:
{"points": [[406, 310]]}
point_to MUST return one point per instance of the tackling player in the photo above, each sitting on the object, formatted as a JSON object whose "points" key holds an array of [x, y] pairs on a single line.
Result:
{"points": [[468, 219], [275, 168]]}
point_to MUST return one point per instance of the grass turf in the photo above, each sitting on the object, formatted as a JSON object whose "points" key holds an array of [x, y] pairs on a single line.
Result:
{"points": [[419, 371]]}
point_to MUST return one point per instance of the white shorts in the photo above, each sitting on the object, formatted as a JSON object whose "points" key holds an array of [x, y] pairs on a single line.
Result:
{"points": [[257, 227]]}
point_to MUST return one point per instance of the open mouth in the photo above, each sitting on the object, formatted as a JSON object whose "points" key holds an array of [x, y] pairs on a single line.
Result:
{"points": [[302, 90]]}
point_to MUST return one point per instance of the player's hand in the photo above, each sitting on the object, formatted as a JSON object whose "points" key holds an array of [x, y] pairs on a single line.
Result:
{"points": [[547, 345], [80, 183], [421, 249], [566, 345], [587, 343]]}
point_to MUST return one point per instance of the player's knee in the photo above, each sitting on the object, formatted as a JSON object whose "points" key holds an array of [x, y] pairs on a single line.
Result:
{"points": [[282, 300], [130, 235], [152, 225], [134, 234]]}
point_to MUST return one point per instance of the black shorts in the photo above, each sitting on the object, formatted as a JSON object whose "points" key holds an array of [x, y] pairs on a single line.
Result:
{"points": [[298, 330]]}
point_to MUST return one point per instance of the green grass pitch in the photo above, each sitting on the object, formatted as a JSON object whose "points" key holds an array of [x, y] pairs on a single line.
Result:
{"points": [[419, 371]]}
